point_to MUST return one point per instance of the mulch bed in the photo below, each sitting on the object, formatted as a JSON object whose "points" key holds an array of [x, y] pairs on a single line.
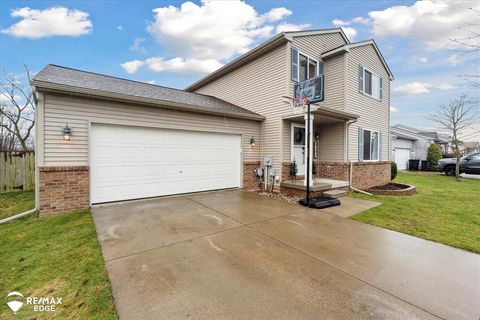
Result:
{"points": [[393, 189], [391, 186]]}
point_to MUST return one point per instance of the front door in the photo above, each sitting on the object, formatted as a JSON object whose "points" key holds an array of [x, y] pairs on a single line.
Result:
{"points": [[298, 147]]}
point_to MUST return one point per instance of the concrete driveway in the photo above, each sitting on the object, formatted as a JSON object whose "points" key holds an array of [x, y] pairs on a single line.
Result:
{"points": [[238, 255]]}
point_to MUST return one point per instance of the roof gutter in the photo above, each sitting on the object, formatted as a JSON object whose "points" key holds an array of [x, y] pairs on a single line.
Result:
{"points": [[64, 89]]}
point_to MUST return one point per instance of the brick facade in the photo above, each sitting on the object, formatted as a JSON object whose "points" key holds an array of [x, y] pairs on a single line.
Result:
{"points": [[250, 181], [365, 174], [63, 189], [370, 174], [332, 170]]}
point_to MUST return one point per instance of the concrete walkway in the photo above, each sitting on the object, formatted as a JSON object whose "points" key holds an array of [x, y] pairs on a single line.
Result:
{"points": [[239, 255]]}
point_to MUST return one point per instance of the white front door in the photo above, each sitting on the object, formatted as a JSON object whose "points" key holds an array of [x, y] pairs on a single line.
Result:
{"points": [[401, 158], [135, 162], [298, 147]]}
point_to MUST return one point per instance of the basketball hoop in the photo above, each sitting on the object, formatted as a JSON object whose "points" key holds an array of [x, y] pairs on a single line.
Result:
{"points": [[299, 104]]}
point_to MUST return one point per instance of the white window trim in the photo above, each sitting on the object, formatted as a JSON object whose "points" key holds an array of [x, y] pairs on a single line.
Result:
{"points": [[378, 147], [292, 132], [363, 88], [308, 61]]}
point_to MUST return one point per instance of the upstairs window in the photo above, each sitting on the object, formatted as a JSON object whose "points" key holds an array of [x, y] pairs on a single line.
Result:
{"points": [[304, 67], [369, 83]]}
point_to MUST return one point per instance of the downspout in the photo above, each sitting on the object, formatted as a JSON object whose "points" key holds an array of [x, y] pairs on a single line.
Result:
{"points": [[350, 178]]}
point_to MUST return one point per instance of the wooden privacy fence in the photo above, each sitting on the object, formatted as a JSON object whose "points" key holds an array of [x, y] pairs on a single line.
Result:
{"points": [[17, 171]]}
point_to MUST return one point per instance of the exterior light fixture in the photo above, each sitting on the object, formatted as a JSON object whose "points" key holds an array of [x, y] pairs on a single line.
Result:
{"points": [[252, 142], [67, 132]]}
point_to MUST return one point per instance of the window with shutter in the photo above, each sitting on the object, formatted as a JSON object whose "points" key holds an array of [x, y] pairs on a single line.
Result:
{"points": [[369, 83], [294, 64], [360, 78], [369, 145]]}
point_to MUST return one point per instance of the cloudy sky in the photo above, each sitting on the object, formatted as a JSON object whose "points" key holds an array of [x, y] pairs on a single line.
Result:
{"points": [[174, 43]]}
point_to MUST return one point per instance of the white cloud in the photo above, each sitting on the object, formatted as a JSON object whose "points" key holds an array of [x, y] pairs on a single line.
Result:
{"points": [[361, 20], [137, 45], [444, 86], [291, 27], [340, 23], [357, 20], [201, 37], [350, 32], [120, 27], [182, 65], [151, 82], [431, 24], [132, 66], [212, 30], [393, 109], [54, 21], [413, 88], [277, 14], [453, 59], [4, 100], [423, 59]]}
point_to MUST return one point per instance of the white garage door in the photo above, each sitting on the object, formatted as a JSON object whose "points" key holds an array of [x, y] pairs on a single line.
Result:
{"points": [[401, 158], [133, 162]]}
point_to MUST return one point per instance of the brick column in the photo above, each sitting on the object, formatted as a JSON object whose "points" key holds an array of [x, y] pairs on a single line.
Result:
{"points": [[63, 189], [250, 181]]}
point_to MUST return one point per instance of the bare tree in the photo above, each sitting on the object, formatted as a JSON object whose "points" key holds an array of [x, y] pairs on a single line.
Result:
{"points": [[454, 117], [17, 108], [470, 44]]}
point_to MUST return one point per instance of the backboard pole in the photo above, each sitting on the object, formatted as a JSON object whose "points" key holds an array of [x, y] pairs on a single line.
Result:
{"points": [[307, 195]]}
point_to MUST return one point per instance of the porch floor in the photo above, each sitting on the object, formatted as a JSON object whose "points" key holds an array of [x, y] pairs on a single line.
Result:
{"points": [[319, 184]]}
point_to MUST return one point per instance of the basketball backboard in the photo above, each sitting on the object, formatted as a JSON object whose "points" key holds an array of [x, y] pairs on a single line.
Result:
{"points": [[312, 89]]}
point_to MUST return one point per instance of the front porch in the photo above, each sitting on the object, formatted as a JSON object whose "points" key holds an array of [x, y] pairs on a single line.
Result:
{"points": [[317, 188], [328, 145]]}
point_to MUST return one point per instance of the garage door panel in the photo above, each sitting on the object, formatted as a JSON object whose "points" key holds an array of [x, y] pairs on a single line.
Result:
{"points": [[401, 158], [133, 162]]}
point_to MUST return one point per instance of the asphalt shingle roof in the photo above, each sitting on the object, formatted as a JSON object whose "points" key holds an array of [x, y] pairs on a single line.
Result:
{"points": [[78, 79]]}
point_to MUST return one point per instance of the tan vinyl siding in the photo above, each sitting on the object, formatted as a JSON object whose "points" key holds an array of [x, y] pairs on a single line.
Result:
{"points": [[80, 112], [258, 86], [331, 142], [334, 68], [374, 114]]}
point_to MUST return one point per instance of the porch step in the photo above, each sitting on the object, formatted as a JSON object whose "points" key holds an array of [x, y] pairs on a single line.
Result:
{"points": [[335, 193]]}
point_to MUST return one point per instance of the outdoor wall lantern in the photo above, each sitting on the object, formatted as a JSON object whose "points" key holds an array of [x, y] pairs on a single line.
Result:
{"points": [[252, 142], [67, 132]]}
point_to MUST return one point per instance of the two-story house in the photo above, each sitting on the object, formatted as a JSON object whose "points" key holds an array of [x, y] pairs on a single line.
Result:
{"points": [[103, 139], [351, 120]]}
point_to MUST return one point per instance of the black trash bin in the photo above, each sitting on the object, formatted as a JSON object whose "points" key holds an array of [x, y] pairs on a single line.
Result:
{"points": [[413, 164], [425, 166]]}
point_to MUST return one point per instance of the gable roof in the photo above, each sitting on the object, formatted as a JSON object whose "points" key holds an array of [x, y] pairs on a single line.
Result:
{"points": [[68, 80], [431, 135], [259, 50], [348, 46], [403, 133]]}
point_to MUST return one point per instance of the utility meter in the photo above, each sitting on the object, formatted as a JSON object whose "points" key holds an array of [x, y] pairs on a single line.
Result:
{"points": [[268, 161]]}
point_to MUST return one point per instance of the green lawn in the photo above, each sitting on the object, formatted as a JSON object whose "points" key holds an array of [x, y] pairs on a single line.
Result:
{"points": [[443, 210], [57, 256], [16, 202]]}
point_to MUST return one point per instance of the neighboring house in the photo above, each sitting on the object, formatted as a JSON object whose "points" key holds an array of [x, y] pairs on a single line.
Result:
{"points": [[133, 140], [442, 139], [469, 147], [408, 144]]}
